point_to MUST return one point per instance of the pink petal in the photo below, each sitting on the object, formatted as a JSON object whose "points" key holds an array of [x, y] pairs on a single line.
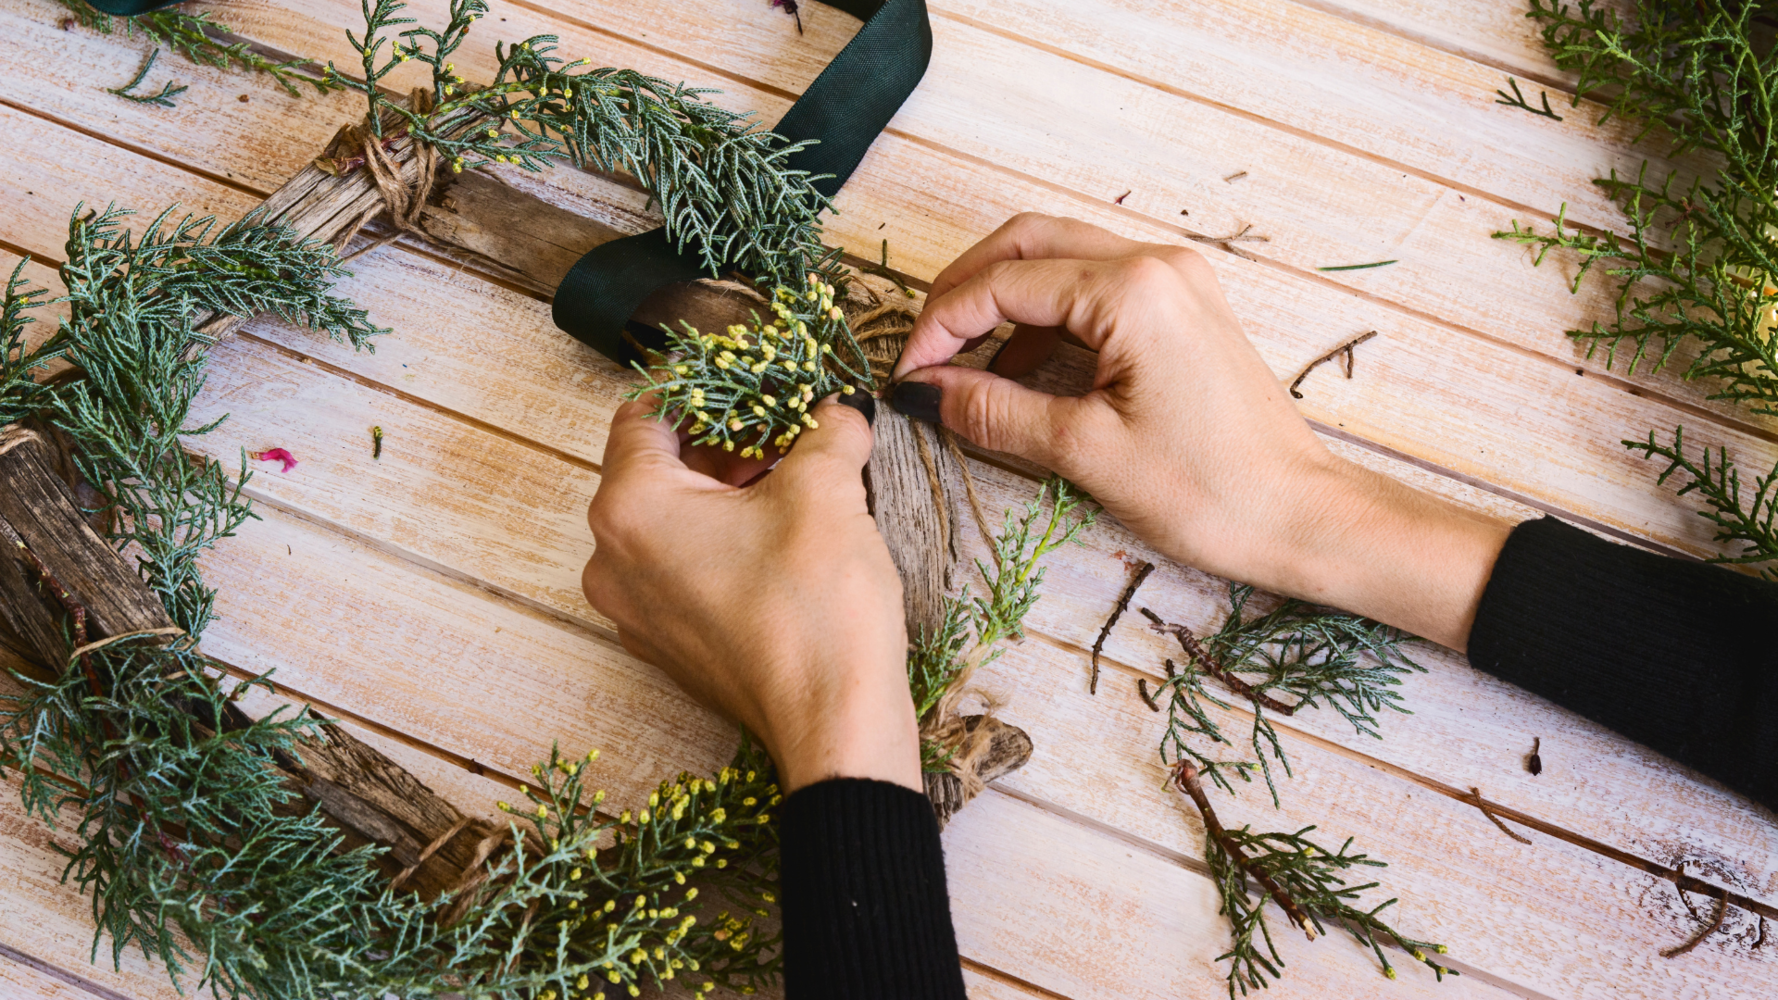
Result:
{"points": [[275, 455]]}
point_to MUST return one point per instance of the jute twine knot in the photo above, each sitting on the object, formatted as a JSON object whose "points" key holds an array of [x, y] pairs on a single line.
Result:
{"points": [[359, 145]]}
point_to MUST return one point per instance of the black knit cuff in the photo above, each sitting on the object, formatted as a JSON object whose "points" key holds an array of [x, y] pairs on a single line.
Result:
{"points": [[866, 912], [1675, 655]]}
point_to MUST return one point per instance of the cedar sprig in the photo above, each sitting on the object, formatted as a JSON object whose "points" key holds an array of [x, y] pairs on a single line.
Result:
{"points": [[132, 301], [201, 38], [753, 384], [647, 908], [1699, 263], [1751, 521], [1315, 879], [1698, 258], [1296, 656], [974, 627], [20, 362], [721, 181]]}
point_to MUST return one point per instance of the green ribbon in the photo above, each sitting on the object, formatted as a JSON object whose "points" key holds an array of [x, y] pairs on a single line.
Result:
{"points": [[845, 109], [129, 8]]}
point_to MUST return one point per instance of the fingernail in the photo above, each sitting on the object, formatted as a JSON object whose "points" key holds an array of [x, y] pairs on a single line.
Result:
{"points": [[864, 403], [918, 400], [996, 358]]}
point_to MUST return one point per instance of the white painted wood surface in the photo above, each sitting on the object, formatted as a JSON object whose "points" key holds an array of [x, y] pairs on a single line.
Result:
{"points": [[431, 598]]}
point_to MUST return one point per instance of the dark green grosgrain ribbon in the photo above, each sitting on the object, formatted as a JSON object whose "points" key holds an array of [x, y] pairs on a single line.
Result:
{"points": [[845, 109], [129, 8]]}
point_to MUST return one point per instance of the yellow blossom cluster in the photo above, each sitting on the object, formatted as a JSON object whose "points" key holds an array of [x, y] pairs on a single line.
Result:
{"points": [[751, 386]]}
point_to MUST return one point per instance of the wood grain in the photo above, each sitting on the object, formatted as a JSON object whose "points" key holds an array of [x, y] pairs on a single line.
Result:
{"points": [[1403, 404], [1329, 206]]}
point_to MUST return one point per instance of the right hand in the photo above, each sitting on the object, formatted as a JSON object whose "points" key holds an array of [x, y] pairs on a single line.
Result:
{"points": [[1186, 436]]}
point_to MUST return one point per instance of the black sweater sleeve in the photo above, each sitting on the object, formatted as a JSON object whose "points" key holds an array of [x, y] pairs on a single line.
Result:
{"points": [[1679, 656], [866, 912]]}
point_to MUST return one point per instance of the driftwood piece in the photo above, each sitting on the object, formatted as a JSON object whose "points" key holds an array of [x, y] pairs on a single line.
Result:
{"points": [[362, 791], [38, 515], [1007, 749]]}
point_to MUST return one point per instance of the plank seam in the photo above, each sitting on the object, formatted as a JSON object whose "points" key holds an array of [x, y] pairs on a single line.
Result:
{"points": [[1541, 77], [56, 972], [1333, 285]]}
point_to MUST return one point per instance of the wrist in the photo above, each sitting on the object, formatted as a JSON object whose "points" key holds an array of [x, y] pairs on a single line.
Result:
{"points": [[1363, 542], [854, 726]]}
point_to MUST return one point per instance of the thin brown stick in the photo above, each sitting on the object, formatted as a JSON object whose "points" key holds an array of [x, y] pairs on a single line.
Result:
{"points": [[1345, 348], [1474, 798], [1683, 898], [1123, 604], [1185, 777], [1227, 242], [1204, 660], [1722, 910], [1148, 699]]}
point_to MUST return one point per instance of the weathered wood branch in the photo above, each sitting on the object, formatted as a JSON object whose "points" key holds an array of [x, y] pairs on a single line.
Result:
{"points": [[360, 790]]}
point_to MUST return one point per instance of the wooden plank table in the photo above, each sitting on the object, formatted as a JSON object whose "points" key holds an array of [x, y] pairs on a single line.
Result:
{"points": [[431, 599]]}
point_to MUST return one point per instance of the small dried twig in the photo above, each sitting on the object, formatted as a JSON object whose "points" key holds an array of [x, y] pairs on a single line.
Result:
{"points": [[1211, 666], [1534, 763], [1123, 604], [1475, 799], [1679, 869], [1185, 777], [1722, 910], [1227, 242], [1232, 178], [376, 442], [1119, 200], [1345, 349], [1147, 699]]}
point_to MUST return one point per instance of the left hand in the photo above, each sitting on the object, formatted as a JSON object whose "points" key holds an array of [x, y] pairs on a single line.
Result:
{"points": [[776, 603]]}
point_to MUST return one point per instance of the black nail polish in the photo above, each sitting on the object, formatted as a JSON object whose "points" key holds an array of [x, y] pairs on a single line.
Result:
{"points": [[864, 403], [918, 400]]}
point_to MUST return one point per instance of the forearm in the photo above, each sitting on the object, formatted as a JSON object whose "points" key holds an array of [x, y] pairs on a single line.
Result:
{"points": [[1675, 655], [1364, 542]]}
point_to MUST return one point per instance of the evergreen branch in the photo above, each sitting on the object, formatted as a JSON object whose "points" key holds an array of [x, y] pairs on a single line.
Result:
{"points": [[164, 99], [20, 393], [722, 182], [1304, 879], [1311, 655], [197, 38], [1517, 100], [1752, 522], [970, 635], [1699, 261]]}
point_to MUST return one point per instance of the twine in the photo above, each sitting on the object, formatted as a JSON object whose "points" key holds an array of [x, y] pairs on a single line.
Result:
{"points": [[360, 145], [120, 637], [877, 315]]}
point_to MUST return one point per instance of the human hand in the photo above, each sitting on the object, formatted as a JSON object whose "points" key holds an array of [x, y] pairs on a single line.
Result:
{"points": [[775, 603], [1186, 436]]}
